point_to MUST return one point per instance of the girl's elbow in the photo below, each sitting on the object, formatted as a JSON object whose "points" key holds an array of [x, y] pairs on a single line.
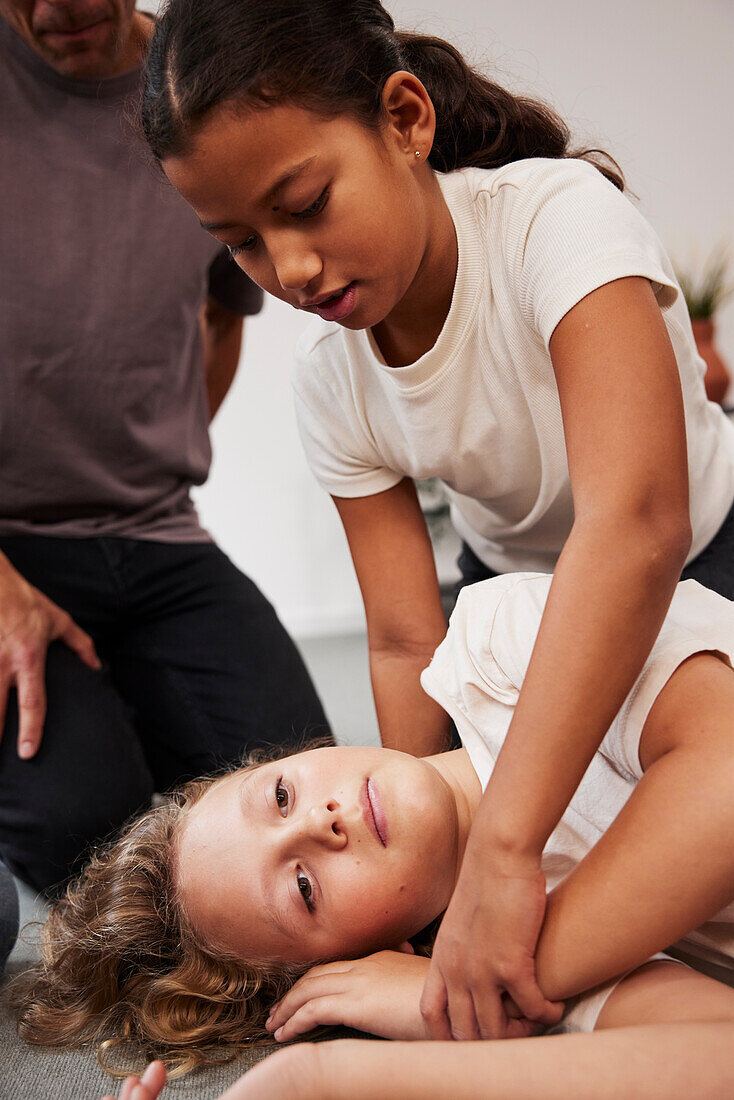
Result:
{"points": [[657, 537], [673, 535]]}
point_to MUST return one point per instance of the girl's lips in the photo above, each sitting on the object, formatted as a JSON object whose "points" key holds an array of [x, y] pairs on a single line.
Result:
{"points": [[376, 812], [338, 308]]}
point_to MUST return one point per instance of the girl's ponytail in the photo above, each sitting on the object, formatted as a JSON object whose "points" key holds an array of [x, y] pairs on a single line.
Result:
{"points": [[482, 125]]}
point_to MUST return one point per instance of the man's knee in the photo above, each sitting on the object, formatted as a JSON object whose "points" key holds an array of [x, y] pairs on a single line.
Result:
{"points": [[88, 776], [44, 844]]}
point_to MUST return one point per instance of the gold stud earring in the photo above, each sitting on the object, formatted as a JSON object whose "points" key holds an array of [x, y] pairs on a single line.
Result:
{"points": [[417, 152]]}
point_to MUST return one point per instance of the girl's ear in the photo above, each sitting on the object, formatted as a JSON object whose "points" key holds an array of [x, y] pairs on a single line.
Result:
{"points": [[406, 948], [411, 117]]}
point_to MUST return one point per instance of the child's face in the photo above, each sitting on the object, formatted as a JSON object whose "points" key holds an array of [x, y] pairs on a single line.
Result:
{"points": [[331, 853], [355, 215]]}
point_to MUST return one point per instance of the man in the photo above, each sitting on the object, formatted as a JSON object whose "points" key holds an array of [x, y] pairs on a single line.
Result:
{"points": [[139, 654]]}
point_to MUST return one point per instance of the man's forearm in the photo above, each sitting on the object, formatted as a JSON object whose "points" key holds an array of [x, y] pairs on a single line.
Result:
{"points": [[221, 336]]}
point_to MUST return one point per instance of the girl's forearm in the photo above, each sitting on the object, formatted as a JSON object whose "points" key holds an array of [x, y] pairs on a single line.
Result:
{"points": [[608, 599], [664, 867], [675, 1061], [408, 719]]}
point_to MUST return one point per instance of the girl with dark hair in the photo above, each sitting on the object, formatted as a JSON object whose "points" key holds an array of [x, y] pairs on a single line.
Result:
{"points": [[490, 310]]}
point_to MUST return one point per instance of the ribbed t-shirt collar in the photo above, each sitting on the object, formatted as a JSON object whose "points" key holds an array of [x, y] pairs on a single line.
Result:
{"points": [[468, 291], [110, 87]]}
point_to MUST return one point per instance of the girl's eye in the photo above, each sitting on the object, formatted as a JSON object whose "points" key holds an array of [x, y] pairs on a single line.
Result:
{"points": [[315, 208], [281, 797], [246, 246], [306, 889]]}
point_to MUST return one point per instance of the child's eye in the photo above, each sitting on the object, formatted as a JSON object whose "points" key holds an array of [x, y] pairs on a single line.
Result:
{"points": [[281, 796], [246, 246], [315, 208], [306, 889]]}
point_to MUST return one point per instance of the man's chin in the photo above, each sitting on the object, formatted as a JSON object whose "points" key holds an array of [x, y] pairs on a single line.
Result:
{"points": [[85, 60]]}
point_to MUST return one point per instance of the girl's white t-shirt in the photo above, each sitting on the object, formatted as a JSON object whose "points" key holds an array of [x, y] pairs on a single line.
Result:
{"points": [[476, 675], [480, 410]]}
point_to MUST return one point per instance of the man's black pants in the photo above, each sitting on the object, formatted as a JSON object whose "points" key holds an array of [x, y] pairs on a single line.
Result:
{"points": [[197, 671]]}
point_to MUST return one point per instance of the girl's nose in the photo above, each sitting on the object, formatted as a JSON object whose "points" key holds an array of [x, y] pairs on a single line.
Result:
{"points": [[322, 825], [295, 265]]}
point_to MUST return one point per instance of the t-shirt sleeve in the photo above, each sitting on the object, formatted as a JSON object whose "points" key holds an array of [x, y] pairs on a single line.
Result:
{"points": [[516, 623], [571, 231], [478, 669], [332, 424], [231, 288], [698, 620]]}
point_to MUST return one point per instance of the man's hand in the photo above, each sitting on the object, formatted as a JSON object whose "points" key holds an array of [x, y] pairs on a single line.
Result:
{"points": [[147, 1087], [485, 954], [29, 621], [379, 994]]}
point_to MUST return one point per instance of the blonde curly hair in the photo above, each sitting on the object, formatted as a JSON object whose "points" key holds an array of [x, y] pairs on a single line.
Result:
{"points": [[121, 965]]}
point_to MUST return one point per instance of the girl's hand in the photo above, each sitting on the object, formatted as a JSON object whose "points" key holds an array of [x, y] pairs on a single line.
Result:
{"points": [[485, 951], [380, 994], [147, 1087]]}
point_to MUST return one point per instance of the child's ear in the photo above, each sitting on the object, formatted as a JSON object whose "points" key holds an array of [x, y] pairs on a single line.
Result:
{"points": [[412, 119], [406, 948]]}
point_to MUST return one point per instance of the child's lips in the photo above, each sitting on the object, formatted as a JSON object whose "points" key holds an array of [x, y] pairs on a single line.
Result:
{"points": [[336, 309], [373, 812]]}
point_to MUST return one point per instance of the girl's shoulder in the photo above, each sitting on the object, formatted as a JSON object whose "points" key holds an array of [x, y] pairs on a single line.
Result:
{"points": [[527, 181]]}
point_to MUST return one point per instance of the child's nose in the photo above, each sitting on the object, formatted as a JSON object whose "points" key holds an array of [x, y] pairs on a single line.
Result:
{"points": [[295, 266], [322, 824]]}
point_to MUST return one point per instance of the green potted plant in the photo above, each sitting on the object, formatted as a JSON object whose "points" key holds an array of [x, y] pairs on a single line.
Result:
{"points": [[704, 292]]}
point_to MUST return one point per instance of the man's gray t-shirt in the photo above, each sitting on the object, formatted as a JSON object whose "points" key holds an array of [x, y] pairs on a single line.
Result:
{"points": [[103, 268]]}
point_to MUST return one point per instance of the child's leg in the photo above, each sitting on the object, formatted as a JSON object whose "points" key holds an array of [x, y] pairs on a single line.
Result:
{"points": [[666, 1031]]}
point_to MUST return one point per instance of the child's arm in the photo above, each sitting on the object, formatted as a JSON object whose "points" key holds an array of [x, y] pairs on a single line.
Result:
{"points": [[396, 571], [675, 1061], [626, 443], [666, 864]]}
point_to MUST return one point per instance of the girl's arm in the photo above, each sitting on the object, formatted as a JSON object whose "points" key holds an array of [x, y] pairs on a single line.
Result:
{"points": [[396, 571], [666, 864], [626, 442]]}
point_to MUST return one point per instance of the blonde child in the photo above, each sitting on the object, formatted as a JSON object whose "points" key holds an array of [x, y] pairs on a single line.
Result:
{"points": [[492, 311], [294, 893]]}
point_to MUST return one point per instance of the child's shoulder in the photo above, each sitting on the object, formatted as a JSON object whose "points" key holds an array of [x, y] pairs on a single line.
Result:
{"points": [[528, 179]]}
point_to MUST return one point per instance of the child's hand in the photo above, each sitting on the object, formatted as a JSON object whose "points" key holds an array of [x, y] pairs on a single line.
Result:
{"points": [[147, 1087], [485, 949], [379, 994]]}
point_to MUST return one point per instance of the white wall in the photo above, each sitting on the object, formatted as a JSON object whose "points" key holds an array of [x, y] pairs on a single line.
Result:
{"points": [[651, 81]]}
